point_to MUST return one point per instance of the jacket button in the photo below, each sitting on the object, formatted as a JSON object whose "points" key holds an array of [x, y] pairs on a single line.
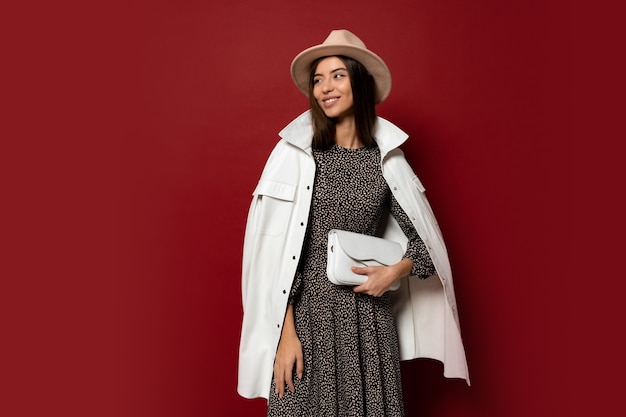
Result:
{"points": [[284, 291], [395, 188], [301, 223], [308, 187], [293, 257]]}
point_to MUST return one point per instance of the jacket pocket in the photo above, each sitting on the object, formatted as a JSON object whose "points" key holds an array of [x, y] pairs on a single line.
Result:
{"points": [[418, 184], [274, 206]]}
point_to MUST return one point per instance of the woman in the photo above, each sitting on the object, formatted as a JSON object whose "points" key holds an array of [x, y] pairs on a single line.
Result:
{"points": [[311, 347]]}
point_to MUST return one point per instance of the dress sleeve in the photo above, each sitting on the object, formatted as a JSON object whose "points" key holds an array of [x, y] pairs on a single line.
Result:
{"points": [[416, 251]]}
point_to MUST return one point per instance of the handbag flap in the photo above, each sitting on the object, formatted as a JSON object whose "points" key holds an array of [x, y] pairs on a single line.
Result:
{"points": [[369, 248]]}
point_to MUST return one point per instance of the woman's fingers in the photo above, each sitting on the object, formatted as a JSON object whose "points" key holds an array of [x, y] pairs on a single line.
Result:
{"points": [[289, 380], [299, 365], [279, 379], [283, 375], [377, 280]]}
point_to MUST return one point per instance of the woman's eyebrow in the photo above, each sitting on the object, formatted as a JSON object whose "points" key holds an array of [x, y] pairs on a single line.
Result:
{"points": [[333, 71]]}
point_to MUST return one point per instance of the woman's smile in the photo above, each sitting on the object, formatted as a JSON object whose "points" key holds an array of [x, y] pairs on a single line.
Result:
{"points": [[328, 102]]}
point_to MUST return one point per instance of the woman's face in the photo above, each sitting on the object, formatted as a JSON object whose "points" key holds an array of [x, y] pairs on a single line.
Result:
{"points": [[332, 89]]}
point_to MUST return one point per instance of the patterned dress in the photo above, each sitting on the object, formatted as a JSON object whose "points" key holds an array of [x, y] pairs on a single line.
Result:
{"points": [[349, 340]]}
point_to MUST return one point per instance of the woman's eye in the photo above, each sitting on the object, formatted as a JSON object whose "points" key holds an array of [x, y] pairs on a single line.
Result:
{"points": [[317, 81]]}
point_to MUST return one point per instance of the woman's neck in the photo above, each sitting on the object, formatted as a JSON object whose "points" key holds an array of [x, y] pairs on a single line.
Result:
{"points": [[345, 134]]}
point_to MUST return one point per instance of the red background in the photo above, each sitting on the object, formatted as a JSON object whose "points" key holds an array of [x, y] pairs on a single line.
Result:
{"points": [[142, 130]]}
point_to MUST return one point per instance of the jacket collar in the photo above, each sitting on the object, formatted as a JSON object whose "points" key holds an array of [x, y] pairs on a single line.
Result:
{"points": [[300, 133]]}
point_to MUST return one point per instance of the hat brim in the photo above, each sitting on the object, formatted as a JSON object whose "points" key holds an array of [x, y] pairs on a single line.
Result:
{"points": [[301, 66]]}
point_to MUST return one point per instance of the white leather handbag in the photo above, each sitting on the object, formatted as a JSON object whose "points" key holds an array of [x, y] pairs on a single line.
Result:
{"points": [[348, 249]]}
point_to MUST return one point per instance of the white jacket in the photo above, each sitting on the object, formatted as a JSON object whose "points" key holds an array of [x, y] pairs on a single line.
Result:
{"points": [[425, 310]]}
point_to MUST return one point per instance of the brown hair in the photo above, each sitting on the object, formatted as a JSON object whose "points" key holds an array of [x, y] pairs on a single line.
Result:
{"points": [[363, 92]]}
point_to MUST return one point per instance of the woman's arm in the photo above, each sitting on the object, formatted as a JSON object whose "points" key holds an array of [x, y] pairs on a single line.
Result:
{"points": [[417, 260], [288, 354]]}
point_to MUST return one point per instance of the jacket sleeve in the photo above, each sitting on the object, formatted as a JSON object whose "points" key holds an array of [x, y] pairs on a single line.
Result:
{"points": [[425, 310], [248, 243], [252, 227]]}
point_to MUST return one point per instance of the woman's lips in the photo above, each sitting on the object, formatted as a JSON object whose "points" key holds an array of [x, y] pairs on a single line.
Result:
{"points": [[328, 102]]}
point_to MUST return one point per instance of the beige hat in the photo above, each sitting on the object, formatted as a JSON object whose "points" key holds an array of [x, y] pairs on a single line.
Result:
{"points": [[342, 42]]}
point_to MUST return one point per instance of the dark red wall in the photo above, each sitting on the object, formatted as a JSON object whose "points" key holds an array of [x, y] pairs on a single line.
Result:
{"points": [[153, 123]]}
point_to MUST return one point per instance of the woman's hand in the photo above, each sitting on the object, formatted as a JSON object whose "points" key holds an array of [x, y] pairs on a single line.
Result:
{"points": [[380, 278], [288, 355]]}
